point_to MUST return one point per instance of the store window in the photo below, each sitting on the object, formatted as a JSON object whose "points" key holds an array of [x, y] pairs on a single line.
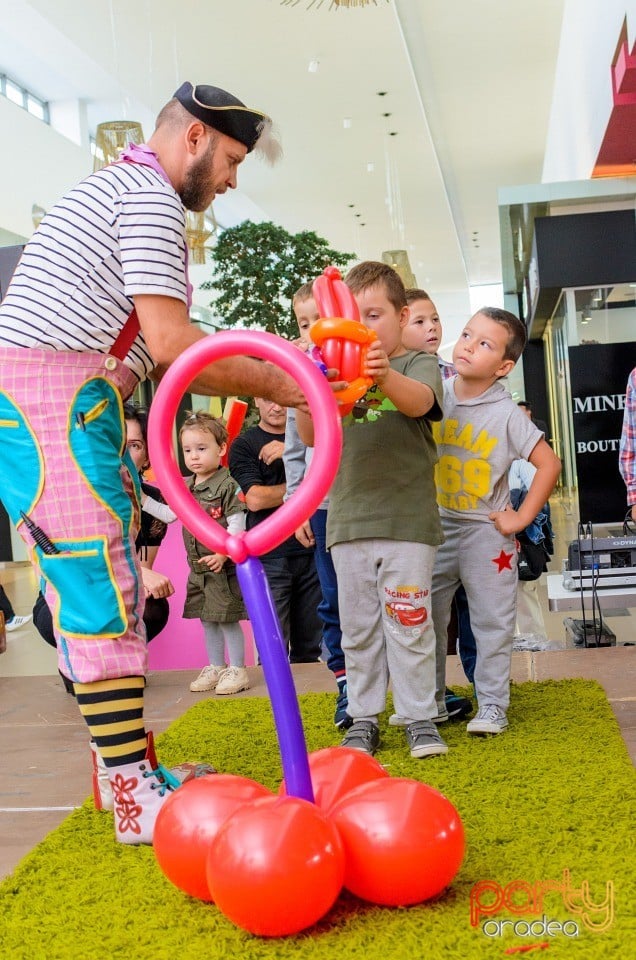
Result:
{"points": [[590, 349], [603, 315]]}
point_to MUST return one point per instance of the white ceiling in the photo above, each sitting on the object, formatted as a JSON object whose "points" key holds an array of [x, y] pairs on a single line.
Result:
{"points": [[467, 83]]}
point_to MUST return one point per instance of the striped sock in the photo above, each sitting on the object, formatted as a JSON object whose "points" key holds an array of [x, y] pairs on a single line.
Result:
{"points": [[113, 710]]}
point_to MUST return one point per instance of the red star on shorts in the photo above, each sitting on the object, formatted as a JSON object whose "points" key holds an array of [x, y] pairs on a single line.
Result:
{"points": [[503, 561]]}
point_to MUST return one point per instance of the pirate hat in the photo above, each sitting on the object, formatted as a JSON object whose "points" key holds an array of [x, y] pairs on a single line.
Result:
{"points": [[219, 109]]}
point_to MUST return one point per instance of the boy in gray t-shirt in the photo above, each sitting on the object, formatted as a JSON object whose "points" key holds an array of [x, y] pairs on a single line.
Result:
{"points": [[481, 433]]}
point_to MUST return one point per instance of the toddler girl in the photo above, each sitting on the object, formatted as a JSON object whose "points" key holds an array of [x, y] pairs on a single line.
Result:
{"points": [[213, 593]]}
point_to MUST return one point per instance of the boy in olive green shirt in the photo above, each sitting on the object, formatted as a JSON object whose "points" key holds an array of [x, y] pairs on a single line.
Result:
{"points": [[383, 526]]}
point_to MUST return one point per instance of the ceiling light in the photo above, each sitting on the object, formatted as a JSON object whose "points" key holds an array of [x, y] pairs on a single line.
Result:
{"points": [[585, 317], [597, 297], [346, 122], [313, 66]]}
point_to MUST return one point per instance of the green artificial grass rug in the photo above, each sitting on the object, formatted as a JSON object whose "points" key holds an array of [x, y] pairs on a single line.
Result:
{"points": [[551, 800]]}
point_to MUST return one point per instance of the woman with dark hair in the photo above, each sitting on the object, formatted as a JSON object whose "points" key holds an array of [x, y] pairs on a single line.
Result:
{"points": [[155, 515]]}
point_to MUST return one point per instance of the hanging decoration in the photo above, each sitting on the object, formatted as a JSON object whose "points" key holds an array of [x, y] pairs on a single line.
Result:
{"points": [[332, 3], [113, 137], [197, 232], [37, 213], [399, 260]]}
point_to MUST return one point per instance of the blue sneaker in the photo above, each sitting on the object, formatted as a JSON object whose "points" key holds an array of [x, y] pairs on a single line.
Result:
{"points": [[457, 707], [341, 718]]}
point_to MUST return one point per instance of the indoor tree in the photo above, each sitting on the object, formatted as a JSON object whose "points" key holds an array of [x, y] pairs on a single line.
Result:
{"points": [[257, 268]]}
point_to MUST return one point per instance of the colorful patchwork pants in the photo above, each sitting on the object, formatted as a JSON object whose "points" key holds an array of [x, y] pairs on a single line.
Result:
{"points": [[64, 466]]}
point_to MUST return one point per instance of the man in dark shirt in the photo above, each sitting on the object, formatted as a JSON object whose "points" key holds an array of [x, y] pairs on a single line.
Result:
{"points": [[256, 463]]}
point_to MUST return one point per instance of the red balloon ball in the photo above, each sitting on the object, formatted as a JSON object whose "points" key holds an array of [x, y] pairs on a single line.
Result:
{"points": [[190, 819], [276, 866], [403, 841], [335, 771]]}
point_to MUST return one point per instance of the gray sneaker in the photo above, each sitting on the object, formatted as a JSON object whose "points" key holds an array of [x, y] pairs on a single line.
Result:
{"points": [[489, 719], [424, 740], [362, 735]]}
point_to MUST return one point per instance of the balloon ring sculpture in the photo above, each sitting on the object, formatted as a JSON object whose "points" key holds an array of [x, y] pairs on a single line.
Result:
{"points": [[275, 864], [244, 548]]}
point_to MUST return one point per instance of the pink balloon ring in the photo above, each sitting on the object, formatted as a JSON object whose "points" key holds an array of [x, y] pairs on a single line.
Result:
{"points": [[322, 470]]}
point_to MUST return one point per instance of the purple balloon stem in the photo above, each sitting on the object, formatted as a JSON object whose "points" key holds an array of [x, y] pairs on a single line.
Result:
{"points": [[278, 677]]}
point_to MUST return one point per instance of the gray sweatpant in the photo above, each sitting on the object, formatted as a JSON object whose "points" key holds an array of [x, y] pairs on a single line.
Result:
{"points": [[387, 631], [478, 556]]}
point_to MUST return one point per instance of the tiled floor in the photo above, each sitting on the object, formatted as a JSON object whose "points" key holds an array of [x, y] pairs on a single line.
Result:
{"points": [[45, 760]]}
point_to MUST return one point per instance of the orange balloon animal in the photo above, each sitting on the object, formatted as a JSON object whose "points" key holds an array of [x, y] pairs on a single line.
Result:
{"points": [[342, 339]]}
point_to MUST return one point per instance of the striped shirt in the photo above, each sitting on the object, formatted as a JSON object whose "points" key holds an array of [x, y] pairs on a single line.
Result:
{"points": [[627, 454], [118, 233], [446, 369]]}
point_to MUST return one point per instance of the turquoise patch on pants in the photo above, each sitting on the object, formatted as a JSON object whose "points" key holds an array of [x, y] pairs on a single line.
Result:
{"points": [[96, 436], [96, 439], [90, 605], [21, 466]]}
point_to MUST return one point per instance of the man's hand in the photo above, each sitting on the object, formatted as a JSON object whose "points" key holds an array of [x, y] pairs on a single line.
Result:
{"points": [[305, 535], [167, 330], [156, 584], [213, 561], [281, 388], [272, 451], [336, 385]]}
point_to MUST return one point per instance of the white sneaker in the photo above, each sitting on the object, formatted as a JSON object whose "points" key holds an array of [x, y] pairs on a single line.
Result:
{"points": [[207, 679], [102, 790], [529, 641], [489, 719], [233, 680], [16, 622]]}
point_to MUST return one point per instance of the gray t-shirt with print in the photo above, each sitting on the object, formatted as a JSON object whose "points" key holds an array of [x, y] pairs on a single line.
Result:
{"points": [[477, 440]]}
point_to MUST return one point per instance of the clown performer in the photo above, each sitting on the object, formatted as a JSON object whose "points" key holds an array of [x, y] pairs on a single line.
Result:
{"points": [[99, 302]]}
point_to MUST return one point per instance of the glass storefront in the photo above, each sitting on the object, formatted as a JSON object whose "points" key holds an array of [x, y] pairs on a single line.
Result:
{"points": [[585, 317]]}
